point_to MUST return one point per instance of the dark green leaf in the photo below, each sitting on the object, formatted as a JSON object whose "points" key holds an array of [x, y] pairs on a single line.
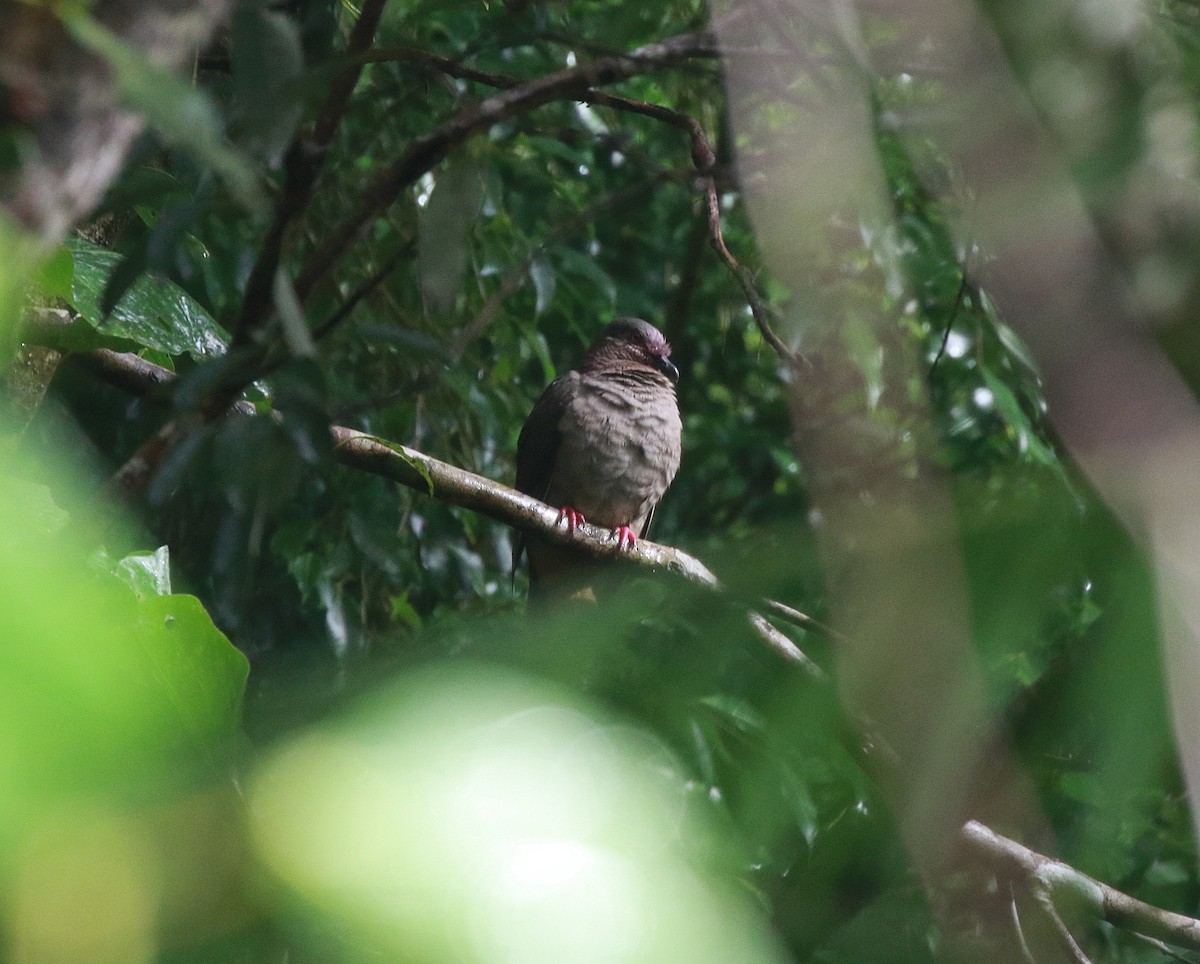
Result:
{"points": [[154, 313]]}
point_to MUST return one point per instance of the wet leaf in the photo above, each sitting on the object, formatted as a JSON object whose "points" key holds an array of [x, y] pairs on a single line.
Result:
{"points": [[154, 312]]}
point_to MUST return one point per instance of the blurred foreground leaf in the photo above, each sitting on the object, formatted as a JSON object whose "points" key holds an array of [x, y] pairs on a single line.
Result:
{"points": [[470, 815], [117, 718], [101, 694], [181, 115]]}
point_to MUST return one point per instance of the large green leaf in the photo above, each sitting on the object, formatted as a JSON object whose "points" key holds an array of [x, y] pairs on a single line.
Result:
{"points": [[23, 259], [154, 312], [102, 696]]}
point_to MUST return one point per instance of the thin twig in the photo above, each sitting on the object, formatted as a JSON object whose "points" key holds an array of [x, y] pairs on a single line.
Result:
{"points": [[1044, 901], [446, 65], [362, 35], [802, 620], [1018, 930], [958, 300], [364, 289], [703, 158], [1163, 949], [456, 486], [1014, 860]]}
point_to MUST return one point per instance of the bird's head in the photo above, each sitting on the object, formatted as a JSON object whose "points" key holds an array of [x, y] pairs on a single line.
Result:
{"points": [[631, 340]]}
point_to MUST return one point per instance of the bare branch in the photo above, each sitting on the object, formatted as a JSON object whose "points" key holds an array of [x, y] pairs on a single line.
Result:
{"points": [[703, 158], [364, 289], [449, 484], [1044, 900], [802, 620], [69, 101], [446, 65], [1163, 949], [1018, 930], [334, 109], [1107, 903]]}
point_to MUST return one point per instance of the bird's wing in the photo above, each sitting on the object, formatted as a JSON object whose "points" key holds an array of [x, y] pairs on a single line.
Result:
{"points": [[538, 443], [537, 446]]}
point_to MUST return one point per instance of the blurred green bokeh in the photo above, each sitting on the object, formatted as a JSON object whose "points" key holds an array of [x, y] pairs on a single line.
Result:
{"points": [[471, 815], [119, 719]]}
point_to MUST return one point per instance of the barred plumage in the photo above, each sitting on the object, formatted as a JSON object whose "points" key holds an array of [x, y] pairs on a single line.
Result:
{"points": [[603, 441]]}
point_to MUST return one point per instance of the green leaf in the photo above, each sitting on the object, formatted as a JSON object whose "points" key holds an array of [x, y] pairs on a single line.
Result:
{"points": [[268, 63], [194, 665], [102, 695], [154, 313], [403, 612], [471, 801], [1028, 442], [54, 280], [737, 712], [800, 800], [415, 463], [33, 503], [23, 257], [586, 268]]}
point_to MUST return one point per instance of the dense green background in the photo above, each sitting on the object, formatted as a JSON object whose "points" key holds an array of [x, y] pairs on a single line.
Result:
{"points": [[421, 771]]}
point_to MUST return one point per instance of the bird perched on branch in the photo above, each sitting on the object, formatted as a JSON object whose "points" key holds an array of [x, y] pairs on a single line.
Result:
{"points": [[602, 444]]}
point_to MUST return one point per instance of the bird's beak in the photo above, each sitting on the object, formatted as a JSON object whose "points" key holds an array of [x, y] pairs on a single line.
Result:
{"points": [[664, 365]]}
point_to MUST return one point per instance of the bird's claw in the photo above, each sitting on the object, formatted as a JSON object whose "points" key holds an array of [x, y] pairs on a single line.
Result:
{"points": [[625, 537], [573, 517]]}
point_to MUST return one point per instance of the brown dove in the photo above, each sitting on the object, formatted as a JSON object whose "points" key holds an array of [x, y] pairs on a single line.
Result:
{"points": [[602, 443]]}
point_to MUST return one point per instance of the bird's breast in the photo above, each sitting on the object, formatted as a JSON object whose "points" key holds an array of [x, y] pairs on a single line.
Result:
{"points": [[620, 448]]}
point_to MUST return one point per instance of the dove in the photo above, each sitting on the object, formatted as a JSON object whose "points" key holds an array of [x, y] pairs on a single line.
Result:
{"points": [[602, 443]]}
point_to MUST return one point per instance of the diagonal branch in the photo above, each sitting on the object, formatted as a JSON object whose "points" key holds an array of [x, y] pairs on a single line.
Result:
{"points": [[704, 159], [1055, 878], [427, 151], [455, 486]]}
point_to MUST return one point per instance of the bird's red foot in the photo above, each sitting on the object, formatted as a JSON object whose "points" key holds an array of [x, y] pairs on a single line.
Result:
{"points": [[625, 537], [573, 517]]}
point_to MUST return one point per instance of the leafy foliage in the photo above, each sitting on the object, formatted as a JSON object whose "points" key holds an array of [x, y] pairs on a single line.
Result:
{"points": [[489, 274]]}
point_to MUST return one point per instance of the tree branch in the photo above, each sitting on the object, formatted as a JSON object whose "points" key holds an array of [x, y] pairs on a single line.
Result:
{"points": [[428, 151], [1055, 878], [703, 158], [453, 485], [448, 483]]}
